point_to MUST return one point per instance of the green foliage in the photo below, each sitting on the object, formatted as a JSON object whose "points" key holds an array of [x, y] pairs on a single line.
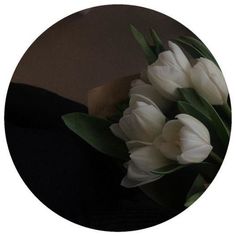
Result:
{"points": [[120, 108], [192, 199], [150, 56], [96, 132], [195, 48], [151, 51], [168, 169], [197, 189], [206, 169], [195, 105], [158, 46]]}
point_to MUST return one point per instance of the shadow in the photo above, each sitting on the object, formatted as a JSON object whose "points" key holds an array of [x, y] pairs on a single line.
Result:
{"points": [[65, 173]]}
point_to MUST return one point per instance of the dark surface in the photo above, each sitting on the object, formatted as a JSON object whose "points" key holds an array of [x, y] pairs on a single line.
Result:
{"points": [[64, 172]]}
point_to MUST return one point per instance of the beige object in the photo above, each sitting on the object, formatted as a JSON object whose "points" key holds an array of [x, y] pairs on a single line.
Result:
{"points": [[103, 99]]}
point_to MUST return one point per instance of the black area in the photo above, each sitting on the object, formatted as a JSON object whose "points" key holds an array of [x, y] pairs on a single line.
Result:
{"points": [[64, 172], [32, 107]]}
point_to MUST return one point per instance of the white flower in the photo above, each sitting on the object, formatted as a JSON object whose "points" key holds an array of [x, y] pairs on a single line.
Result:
{"points": [[185, 140], [141, 124], [141, 91], [169, 72], [208, 81], [143, 160]]}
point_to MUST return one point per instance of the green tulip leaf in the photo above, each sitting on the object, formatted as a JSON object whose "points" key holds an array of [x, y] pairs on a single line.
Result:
{"points": [[221, 129], [224, 112], [195, 48], [168, 169], [150, 56], [185, 107], [193, 51], [199, 185], [200, 46], [120, 108], [190, 95], [171, 189], [199, 108], [157, 42], [96, 132], [192, 199], [197, 189], [207, 169], [216, 141]]}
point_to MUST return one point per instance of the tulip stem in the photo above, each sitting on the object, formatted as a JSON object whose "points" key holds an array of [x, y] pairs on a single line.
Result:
{"points": [[215, 157]]}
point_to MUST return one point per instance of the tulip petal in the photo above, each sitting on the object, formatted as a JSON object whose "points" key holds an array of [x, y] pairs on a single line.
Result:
{"points": [[171, 130], [137, 83], [169, 72], [168, 143], [195, 126], [180, 57], [148, 158], [130, 127], [195, 155], [136, 177], [139, 88], [188, 144], [142, 122], [190, 140], [140, 98], [167, 58], [170, 150], [167, 79], [138, 127], [216, 76], [137, 104], [204, 86], [136, 144], [117, 131], [151, 121]]}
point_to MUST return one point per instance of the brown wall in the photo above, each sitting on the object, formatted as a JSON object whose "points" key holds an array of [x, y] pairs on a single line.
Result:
{"points": [[90, 48]]}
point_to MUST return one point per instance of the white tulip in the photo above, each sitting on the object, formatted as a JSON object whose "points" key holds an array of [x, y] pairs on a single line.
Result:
{"points": [[208, 81], [141, 123], [169, 72], [143, 161], [141, 91], [185, 140]]}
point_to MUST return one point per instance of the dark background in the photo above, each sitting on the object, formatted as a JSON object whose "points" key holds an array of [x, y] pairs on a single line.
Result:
{"points": [[84, 50], [90, 48]]}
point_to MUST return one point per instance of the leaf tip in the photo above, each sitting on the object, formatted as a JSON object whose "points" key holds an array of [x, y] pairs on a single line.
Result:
{"points": [[132, 27]]}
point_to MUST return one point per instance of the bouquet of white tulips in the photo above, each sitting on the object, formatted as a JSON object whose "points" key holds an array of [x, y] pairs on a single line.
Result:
{"points": [[172, 131]]}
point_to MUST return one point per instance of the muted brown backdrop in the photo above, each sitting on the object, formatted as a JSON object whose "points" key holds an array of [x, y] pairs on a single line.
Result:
{"points": [[91, 47]]}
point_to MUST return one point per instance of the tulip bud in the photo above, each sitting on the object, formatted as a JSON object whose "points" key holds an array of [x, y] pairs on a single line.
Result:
{"points": [[185, 140], [141, 91], [141, 122], [169, 72], [143, 161], [208, 81]]}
